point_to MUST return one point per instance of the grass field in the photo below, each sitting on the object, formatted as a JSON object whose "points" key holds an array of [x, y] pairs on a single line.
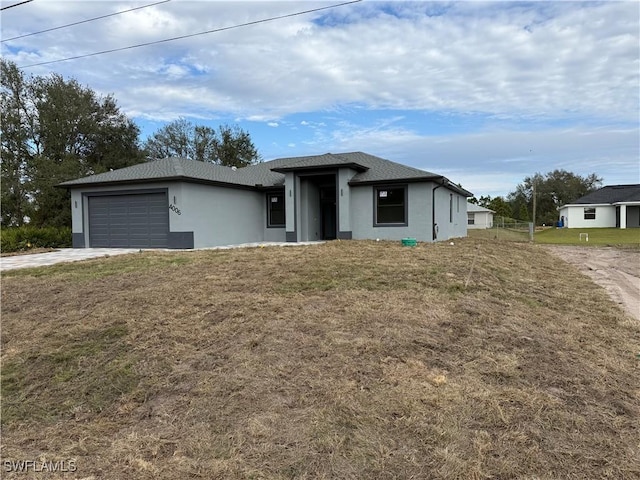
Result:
{"points": [[343, 360], [597, 236]]}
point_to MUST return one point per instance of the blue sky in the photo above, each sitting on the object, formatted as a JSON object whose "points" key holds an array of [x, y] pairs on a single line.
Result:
{"points": [[484, 93]]}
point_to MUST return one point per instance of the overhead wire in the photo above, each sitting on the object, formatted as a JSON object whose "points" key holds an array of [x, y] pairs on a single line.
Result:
{"points": [[16, 5], [82, 21], [181, 37]]}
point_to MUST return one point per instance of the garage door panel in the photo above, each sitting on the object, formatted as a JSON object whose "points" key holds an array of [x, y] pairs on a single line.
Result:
{"points": [[129, 220]]}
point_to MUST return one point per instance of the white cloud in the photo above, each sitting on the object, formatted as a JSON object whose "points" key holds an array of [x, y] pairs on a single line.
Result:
{"points": [[554, 84], [517, 60]]}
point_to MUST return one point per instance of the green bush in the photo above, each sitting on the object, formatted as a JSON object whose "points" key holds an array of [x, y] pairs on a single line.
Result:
{"points": [[14, 239]]}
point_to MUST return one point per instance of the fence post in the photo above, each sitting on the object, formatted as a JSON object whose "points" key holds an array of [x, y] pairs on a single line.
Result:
{"points": [[531, 230]]}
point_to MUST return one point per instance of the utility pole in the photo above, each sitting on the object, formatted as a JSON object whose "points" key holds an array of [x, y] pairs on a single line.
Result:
{"points": [[534, 202]]}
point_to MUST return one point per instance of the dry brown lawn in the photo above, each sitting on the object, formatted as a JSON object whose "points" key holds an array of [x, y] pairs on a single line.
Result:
{"points": [[343, 360]]}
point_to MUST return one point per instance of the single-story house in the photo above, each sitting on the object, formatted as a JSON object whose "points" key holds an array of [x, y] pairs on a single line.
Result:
{"points": [[180, 203], [612, 206], [479, 217]]}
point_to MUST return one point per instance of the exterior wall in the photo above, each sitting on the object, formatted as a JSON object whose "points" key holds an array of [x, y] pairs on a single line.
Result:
{"points": [[574, 216], [216, 215], [222, 216], [419, 225], [291, 195], [454, 225], [344, 202], [481, 220], [80, 206]]}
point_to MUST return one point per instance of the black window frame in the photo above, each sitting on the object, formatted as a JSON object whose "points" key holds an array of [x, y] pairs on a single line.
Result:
{"points": [[281, 197], [405, 205], [590, 214]]}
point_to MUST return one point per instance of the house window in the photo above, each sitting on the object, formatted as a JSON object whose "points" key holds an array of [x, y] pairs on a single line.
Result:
{"points": [[275, 210], [589, 213], [471, 219], [391, 206]]}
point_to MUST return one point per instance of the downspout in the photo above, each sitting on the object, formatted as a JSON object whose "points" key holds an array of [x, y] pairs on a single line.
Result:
{"points": [[434, 231]]}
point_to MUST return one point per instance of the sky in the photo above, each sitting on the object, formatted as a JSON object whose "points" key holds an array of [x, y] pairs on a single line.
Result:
{"points": [[485, 93]]}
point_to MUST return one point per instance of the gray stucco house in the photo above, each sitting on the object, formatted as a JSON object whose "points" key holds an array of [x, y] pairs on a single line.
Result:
{"points": [[179, 203]]}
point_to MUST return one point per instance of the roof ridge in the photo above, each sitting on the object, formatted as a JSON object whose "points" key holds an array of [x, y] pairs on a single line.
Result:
{"points": [[177, 166]]}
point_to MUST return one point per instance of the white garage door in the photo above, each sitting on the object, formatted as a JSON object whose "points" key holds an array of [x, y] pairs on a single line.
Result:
{"points": [[129, 221]]}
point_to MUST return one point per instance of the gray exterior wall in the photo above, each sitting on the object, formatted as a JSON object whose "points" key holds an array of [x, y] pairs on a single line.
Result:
{"points": [[214, 215], [291, 197], [343, 199], [419, 225], [454, 225], [80, 206], [221, 216]]}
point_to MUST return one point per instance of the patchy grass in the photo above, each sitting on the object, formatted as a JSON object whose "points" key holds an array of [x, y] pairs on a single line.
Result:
{"points": [[342, 360], [501, 234], [629, 237], [91, 269]]}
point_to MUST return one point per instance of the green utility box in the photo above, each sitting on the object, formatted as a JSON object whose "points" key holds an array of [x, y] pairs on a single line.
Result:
{"points": [[409, 242]]}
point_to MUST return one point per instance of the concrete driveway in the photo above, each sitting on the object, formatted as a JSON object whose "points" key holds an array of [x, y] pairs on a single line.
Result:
{"points": [[74, 254], [59, 256]]}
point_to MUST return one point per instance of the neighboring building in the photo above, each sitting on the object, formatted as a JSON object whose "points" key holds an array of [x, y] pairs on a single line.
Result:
{"points": [[179, 203], [612, 206], [479, 217]]}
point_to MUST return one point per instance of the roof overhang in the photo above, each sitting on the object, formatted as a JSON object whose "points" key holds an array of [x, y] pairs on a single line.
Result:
{"points": [[586, 205], [443, 181], [201, 181]]}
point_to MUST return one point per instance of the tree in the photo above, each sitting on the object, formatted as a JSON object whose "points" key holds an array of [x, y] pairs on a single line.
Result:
{"points": [[15, 118], [57, 130], [500, 206], [552, 190], [229, 146]]}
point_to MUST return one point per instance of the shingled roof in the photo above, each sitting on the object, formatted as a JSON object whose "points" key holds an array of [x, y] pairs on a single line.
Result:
{"points": [[611, 194], [369, 168]]}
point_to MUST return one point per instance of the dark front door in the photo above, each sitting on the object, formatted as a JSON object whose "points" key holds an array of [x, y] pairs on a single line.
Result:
{"points": [[328, 217], [617, 217]]}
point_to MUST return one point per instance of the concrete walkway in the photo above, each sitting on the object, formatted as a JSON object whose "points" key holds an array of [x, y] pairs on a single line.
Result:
{"points": [[74, 254]]}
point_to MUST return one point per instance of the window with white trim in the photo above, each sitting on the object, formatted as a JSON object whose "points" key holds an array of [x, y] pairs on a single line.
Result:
{"points": [[589, 213]]}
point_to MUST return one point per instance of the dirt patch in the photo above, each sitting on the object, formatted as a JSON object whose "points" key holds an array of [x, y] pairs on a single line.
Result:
{"points": [[617, 271]]}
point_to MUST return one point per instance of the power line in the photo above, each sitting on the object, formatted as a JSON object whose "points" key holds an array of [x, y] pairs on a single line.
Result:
{"points": [[16, 4], [255, 22], [82, 21]]}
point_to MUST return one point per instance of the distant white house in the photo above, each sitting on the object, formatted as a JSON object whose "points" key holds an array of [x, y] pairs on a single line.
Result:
{"points": [[479, 217], [614, 206]]}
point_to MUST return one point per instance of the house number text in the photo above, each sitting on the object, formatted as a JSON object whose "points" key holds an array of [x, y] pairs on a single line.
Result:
{"points": [[175, 209]]}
